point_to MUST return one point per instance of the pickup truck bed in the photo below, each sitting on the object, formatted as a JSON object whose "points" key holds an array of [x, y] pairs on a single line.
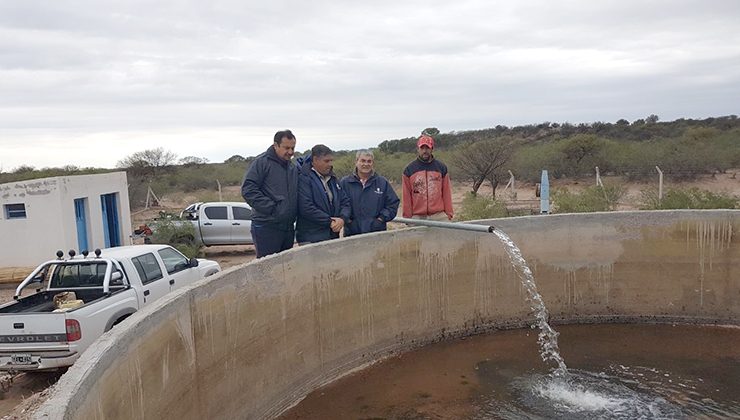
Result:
{"points": [[43, 301]]}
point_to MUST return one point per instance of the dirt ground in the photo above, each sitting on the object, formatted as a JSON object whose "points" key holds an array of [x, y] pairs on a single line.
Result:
{"points": [[19, 393]]}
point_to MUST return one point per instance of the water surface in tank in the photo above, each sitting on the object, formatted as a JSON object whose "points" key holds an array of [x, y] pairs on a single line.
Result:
{"points": [[614, 371]]}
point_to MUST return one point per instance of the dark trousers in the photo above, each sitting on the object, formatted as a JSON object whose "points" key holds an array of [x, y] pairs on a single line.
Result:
{"points": [[269, 239]]}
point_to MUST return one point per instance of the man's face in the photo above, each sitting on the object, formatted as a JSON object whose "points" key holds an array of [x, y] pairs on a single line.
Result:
{"points": [[364, 165], [425, 153], [323, 164], [285, 149]]}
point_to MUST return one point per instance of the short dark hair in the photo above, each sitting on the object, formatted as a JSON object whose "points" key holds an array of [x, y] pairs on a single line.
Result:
{"points": [[285, 134], [320, 151]]}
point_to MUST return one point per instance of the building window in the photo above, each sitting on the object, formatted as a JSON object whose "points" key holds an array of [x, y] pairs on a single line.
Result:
{"points": [[15, 211]]}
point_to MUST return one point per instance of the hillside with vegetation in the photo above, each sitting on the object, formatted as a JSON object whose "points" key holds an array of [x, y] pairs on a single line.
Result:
{"points": [[683, 149]]}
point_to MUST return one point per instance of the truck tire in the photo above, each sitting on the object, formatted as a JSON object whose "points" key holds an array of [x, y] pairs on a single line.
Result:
{"points": [[119, 320]]}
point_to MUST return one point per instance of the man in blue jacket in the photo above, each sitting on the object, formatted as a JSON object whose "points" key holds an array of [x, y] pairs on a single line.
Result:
{"points": [[374, 202], [270, 187], [323, 208]]}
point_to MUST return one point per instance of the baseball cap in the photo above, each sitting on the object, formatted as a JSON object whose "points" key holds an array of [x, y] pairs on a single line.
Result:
{"points": [[425, 140]]}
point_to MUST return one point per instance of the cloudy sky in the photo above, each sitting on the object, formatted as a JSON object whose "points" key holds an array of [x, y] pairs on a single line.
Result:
{"points": [[89, 82]]}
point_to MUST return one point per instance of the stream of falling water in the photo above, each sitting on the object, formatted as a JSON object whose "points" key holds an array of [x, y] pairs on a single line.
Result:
{"points": [[548, 337]]}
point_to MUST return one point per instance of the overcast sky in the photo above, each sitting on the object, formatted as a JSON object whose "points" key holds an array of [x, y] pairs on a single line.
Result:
{"points": [[89, 82]]}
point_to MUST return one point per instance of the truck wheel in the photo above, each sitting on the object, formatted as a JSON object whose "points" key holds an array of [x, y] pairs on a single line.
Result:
{"points": [[119, 320]]}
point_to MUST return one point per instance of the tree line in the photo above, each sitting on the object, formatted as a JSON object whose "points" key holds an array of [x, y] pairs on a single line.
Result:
{"points": [[683, 149]]}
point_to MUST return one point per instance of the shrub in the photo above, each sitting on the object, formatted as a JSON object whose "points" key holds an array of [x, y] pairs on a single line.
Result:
{"points": [[691, 198], [180, 234], [391, 165], [344, 165], [476, 207], [595, 198]]}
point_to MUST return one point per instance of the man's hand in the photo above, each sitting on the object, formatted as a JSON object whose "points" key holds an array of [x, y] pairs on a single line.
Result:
{"points": [[336, 224]]}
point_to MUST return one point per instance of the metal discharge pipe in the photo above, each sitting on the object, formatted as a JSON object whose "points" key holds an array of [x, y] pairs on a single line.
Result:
{"points": [[445, 225]]}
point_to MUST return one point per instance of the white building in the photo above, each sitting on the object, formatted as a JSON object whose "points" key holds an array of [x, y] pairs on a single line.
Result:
{"points": [[40, 216]]}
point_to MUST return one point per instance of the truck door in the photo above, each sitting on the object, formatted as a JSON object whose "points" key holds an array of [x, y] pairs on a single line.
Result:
{"points": [[178, 268], [241, 225], [150, 272], [215, 226]]}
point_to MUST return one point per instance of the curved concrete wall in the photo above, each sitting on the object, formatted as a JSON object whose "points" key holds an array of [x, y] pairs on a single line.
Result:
{"points": [[256, 339]]}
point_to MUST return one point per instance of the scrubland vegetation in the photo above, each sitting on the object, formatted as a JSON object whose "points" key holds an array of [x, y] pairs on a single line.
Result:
{"points": [[683, 149]]}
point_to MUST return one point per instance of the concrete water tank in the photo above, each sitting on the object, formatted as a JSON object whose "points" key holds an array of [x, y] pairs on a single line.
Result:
{"points": [[254, 340]]}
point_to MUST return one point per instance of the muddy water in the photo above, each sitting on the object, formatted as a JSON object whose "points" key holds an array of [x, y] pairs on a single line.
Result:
{"points": [[616, 371]]}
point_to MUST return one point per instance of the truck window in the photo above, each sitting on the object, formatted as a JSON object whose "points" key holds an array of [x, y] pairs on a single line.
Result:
{"points": [[78, 275], [173, 260], [216, 213], [147, 267], [242, 213]]}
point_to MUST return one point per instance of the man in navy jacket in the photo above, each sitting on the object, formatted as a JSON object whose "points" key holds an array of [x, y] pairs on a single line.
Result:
{"points": [[323, 208], [374, 203], [270, 187]]}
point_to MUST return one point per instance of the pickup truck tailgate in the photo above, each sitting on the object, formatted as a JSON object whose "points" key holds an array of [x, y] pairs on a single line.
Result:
{"points": [[35, 330]]}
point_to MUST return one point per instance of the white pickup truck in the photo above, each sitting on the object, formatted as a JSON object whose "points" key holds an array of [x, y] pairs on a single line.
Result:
{"points": [[220, 223], [37, 333]]}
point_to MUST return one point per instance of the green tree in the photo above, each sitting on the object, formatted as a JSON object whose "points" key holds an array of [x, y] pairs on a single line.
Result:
{"points": [[148, 162], [581, 153], [235, 159], [24, 169], [430, 131], [193, 160]]}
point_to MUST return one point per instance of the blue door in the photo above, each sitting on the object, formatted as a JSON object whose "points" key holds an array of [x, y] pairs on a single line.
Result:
{"points": [[111, 230], [81, 220]]}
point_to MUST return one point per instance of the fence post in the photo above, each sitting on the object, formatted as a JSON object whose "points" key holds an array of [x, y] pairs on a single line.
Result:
{"points": [[220, 197], [598, 178], [511, 184], [660, 184]]}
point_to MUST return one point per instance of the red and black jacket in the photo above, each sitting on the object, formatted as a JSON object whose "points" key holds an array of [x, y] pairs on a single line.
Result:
{"points": [[426, 189]]}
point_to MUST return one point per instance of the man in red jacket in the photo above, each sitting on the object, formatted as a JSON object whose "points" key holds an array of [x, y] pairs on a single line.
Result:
{"points": [[426, 185]]}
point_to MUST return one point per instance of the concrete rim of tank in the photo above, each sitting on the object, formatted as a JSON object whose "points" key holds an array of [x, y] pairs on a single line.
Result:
{"points": [[711, 238]]}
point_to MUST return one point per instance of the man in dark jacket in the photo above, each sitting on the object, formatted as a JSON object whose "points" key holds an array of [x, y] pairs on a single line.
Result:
{"points": [[271, 188], [374, 202], [323, 208]]}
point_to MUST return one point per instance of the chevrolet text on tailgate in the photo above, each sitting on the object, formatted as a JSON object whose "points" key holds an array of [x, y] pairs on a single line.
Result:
{"points": [[79, 298]]}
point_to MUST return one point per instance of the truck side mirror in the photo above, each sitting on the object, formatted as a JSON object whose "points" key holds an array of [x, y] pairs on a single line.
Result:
{"points": [[116, 276], [193, 262]]}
